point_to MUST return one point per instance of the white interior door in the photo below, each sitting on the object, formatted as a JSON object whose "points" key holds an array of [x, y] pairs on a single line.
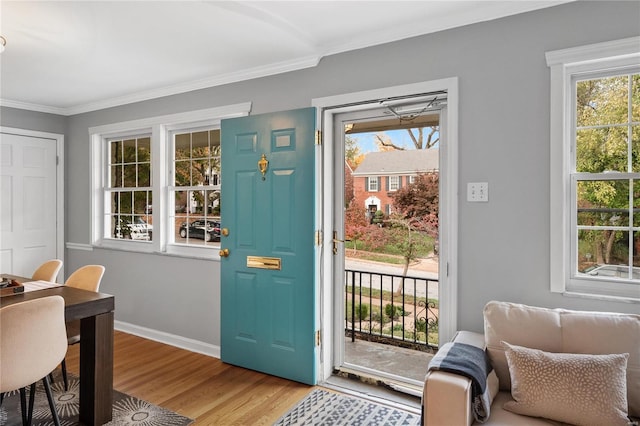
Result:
{"points": [[28, 207]]}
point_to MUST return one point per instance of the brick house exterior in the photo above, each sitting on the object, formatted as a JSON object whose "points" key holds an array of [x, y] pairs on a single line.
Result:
{"points": [[382, 173]]}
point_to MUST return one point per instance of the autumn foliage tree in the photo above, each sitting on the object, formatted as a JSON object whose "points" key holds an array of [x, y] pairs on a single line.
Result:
{"points": [[419, 202], [417, 207], [355, 223]]}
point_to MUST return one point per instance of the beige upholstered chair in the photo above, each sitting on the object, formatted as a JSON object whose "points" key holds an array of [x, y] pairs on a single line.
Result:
{"points": [[33, 341], [85, 278], [48, 271]]}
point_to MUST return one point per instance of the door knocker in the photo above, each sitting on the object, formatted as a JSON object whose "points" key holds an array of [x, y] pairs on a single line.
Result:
{"points": [[263, 165]]}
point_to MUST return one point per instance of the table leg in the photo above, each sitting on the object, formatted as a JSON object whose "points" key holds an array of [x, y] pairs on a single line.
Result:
{"points": [[96, 369]]}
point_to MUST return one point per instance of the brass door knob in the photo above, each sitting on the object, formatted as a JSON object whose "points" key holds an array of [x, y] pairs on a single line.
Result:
{"points": [[224, 252], [225, 232]]}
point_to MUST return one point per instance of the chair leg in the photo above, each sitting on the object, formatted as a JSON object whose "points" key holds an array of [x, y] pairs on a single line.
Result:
{"points": [[64, 375], [23, 406], [32, 395], [52, 403]]}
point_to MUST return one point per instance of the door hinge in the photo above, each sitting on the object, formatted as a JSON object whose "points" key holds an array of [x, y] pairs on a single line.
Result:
{"points": [[57, 160], [318, 237], [318, 137], [318, 338]]}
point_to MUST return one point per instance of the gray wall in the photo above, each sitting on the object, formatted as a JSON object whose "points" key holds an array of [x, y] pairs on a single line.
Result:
{"points": [[31, 120], [503, 139]]}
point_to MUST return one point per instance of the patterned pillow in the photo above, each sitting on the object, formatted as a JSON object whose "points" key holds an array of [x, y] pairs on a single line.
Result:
{"points": [[574, 388]]}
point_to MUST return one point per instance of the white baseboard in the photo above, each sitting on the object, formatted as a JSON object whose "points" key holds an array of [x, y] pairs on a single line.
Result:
{"points": [[169, 339]]}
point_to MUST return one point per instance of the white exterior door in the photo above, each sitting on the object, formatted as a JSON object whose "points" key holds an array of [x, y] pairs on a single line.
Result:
{"points": [[28, 202]]}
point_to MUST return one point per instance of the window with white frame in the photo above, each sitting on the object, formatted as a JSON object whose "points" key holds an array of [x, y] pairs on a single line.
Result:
{"points": [[412, 179], [394, 183], [372, 185], [595, 170], [195, 188], [128, 190], [156, 182]]}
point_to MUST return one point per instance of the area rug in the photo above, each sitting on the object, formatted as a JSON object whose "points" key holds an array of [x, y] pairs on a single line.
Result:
{"points": [[321, 407], [127, 410]]}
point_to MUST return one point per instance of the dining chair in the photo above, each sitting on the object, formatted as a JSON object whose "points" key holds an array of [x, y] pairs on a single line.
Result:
{"points": [[85, 278], [48, 271], [33, 341]]}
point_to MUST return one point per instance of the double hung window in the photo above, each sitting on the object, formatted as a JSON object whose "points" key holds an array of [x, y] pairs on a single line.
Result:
{"points": [[156, 183], [129, 191], [394, 183], [372, 184], [595, 170], [195, 190]]}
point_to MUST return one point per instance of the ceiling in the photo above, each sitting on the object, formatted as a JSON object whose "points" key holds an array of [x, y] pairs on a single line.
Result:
{"points": [[68, 57]]}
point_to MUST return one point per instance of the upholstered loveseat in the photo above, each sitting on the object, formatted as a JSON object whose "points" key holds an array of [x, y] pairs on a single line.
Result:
{"points": [[558, 366]]}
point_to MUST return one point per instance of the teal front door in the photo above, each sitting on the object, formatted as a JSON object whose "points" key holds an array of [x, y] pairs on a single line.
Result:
{"points": [[267, 258]]}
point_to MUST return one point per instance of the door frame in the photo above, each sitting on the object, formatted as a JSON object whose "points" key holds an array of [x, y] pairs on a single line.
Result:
{"points": [[327, 107], [60, 219]]}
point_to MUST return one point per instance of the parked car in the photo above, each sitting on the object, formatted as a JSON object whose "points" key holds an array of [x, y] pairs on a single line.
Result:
{"points": [[615, 271], [139, 230], [205, 230]]}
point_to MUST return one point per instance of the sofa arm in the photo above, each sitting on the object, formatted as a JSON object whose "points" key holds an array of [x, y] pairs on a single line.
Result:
{"points": [[446, 397]]}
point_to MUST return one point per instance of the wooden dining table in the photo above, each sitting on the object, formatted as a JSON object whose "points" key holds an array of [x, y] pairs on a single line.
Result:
{"points": [[95, 312]]}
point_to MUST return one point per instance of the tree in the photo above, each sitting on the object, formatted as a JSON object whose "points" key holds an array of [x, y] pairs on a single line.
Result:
{"points": [[408, 246], [423, 138], [417, 206], [355, 223], [352, 153], [419, 202]]}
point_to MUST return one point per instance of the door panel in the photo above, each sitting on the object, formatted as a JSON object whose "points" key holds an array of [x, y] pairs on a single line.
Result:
{"points": [[28, 225], [268, 315]]}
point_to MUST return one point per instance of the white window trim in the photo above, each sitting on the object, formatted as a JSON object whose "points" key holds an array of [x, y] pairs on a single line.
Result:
{"points": [[564, 65], [159, 128], [370, 181], [397, 183]]}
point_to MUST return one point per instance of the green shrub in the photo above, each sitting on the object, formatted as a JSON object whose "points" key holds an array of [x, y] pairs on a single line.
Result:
{"points": [[362, 311], [393, 311]]}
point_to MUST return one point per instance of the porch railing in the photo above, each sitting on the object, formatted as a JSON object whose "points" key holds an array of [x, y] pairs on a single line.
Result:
{"points": [[391, 309]]}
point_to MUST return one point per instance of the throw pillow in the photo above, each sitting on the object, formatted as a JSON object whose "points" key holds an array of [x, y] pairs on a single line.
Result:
{"points": [[579, 389]]}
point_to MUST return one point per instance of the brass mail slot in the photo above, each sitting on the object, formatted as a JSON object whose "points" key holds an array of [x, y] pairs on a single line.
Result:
{"points": [[264, 262]]}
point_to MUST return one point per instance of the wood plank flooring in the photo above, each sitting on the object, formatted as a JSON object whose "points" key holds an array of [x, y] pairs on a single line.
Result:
{"points": [[197, 386]]}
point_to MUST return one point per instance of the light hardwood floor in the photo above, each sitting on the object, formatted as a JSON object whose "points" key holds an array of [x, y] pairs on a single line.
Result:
{"points": [[197, 386]]}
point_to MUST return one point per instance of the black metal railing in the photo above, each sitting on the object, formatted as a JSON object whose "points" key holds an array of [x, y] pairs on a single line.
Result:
{"points": [[391, 309]]}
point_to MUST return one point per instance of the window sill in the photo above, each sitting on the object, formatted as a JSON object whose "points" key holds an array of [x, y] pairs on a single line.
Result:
{"points": [[603, 297], [198, 253]]}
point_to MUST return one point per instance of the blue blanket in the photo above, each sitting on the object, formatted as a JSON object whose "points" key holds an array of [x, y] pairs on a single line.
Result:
{"points": [[472, 362]]}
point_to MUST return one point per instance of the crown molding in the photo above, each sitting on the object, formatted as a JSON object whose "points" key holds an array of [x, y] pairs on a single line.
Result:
{"points": [[257, 72], [32, 107]]}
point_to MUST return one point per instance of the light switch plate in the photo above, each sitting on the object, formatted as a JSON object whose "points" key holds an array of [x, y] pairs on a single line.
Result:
{"points": [[478, 192]]}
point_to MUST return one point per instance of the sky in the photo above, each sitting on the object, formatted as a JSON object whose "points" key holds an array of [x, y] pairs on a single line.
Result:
{"points": [[367, 141]]}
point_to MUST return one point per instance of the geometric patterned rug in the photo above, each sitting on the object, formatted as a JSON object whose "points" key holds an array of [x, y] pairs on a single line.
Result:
{"points": [[321, 407], [127, 410]]}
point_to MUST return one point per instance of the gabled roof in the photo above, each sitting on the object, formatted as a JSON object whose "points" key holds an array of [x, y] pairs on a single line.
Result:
{"points": [[408, 162]]}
